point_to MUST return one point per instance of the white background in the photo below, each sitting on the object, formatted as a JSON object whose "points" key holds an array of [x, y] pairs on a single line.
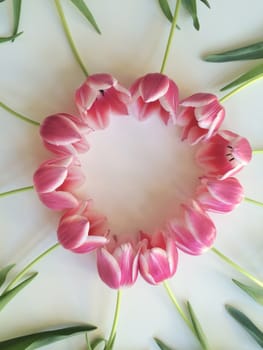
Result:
{"points": [[38, 76]]}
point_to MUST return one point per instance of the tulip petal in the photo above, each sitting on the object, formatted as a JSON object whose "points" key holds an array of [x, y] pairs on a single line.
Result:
{"points": [[108, 268], [59, 130], [58, 200], [198, 100], [49, 178], [73, 231], [101, 81], [92, 243], [85, 97], [153, 86]]}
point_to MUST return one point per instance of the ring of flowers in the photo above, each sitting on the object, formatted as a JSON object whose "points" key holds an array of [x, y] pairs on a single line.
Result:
{"points": [[221, 154]]}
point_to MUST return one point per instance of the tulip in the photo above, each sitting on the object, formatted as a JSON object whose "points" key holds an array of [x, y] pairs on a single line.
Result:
{"points": [[99, 97], [54, 181], [224, 155], [118, 263], [219, 196], [81, 230], [154, 93], [64, 134], [158, 257], [201, 116], [193, 231]]}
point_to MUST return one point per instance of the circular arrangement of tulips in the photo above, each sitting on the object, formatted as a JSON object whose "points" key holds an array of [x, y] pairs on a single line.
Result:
{"points": [[220, 154]]}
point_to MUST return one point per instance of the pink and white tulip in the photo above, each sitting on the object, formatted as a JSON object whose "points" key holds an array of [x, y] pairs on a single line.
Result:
{"points": [[81, 230], [118, 264], [224, 155], [194, 232], [54, 181], [201, 116], [158, 257], [64, 134], [153, 93], [219, 196], [99, 97]]}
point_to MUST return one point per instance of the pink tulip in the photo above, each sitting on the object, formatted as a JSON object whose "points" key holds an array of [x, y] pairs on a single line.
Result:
{"points": [[224, 155], [158, 257], [54, 181], [201, 116], [153, 93], [193, 232], [118, 264], [98, 97], [81, 230], [64, 134], [219, 196]]}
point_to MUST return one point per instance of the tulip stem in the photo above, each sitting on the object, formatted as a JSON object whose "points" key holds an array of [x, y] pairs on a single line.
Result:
{"points": [[257, 151], [237, 267], [69, 37], [112, 336], [29, 266], [18, 115], [171, 35], [178, 307], [240, 87], [253, 201], [17, 190]]}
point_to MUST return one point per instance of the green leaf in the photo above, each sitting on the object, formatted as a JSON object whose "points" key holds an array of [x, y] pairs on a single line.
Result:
{"points": [[166, 9], [250, 52], [9, 38], [5, 298], [36, 340], [255, 292], [197, 327], [161, 344], [83, 8], [190, 6], [206, 3], [246, 323], [253, 74], [95, 342], [4, 273], [17, 11]]}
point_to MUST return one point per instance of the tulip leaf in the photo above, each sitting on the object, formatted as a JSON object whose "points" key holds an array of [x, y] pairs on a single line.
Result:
{"points": [[197, 327], [253, 74], [6, 297], [95, 342], [4, 272], [206, 3], [166, 9], [161, 344], [83, 8], [190, 6], [246, 323], [36, 340], [250, 52], [255, 292], [17, 12], [10, 38]]}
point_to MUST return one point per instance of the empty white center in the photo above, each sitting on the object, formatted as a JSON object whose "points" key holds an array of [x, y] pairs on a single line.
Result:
{"points": [[138, 173]]}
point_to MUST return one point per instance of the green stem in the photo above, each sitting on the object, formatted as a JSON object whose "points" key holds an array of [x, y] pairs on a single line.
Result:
{"points": [[17, 190], [29, 266], [249, 200], [237, 267], [115, 321], [171, 35], [69, 37], [18, 115], [257, 151], [178, 307], [240, 87]]}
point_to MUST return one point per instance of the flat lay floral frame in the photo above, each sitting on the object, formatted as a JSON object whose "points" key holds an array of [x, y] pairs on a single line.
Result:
{"points": [[129, 81]]}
